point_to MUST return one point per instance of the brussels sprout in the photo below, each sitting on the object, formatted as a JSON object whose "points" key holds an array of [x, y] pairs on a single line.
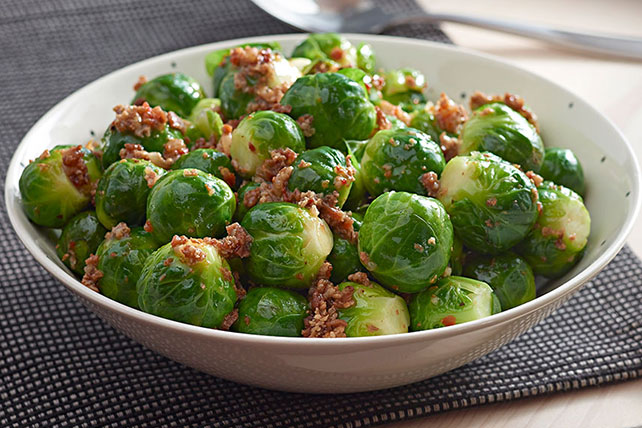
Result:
{"points": [[363, 79], [205, 122], [189, 202], [323, 170], [558, 239], [260, 133], [499, 129], [121, 259], [289, 244], [453, 300], [210, 161], [425, 121], [561, 166], [189, 282], [366, 58], [376, 311], [330, 47], [241, 209], [457, 258], [49, 197], [79, 239], [510, 277], [344, 257], [405, 241], [113, 141], [122, 192], [357, 195], [492, 204], [175, 92], [234, 102], [397, 160], [339, 107], [272, 312]]}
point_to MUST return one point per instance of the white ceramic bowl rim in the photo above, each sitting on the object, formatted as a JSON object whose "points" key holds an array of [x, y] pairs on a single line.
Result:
{"points": [[98, 299]]}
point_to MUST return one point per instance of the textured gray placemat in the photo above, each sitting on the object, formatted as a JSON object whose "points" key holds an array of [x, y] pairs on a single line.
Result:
{"points": [[62, 366]]}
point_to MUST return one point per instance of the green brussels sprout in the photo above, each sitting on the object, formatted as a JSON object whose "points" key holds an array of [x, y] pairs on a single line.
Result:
{"points": [[425, 121], [338, 105], [397, 160], [492, 204], [189, 202], [187, 281], [210, 161], [330, 47], [50, 197], [205, 122], [363, 79], [175, 92], [234, 102], [272, 312], [344, 256], [457, 258], [499, 129], [376, 311], [260, 133], [122, 192], [323, 170], [453, 300], [510, 277], [289, 244], [560, 235], [357, 194], [366, 58], [79, 239], [561, 166], [241, 209], [121, 259], [405, 241]]}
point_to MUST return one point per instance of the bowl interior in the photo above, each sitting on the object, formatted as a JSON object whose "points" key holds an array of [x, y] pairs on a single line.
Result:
{"points": [[610, 167]]}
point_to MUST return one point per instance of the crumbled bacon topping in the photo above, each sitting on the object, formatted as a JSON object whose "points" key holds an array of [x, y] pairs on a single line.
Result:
{"points": [[139, 120], [148, 227], [449, 145], [513, 101], [140, 82], [535, 178], [136, 151], [449, 116], [237, 243], [176, 122], [382, 120], [173, 149], [279, 159], [92, 274], [430, 181], [120, 231], [188, 250], [151, 177], [75, 168], [360, 278], [202, 143], [305, 123], [229, 319], [325, 299]]}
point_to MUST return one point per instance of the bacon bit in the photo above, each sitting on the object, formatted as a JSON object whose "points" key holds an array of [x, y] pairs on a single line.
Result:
{"points": [[491, 202], [140, 82], [191, 172], [382, 120], [139, 120], [229, 320], [432, 240], [305, 123], [325, 300], [488, 223], [151, 177], [92, 274], [324, 67], [449, 145], [247, 320], [535, 178], [449, 320], [173, 149], [572, 237], [228, 176], [227, 274], [447, 272], [325, 271], [337, 53], [360, 278], [176, 122], [304, 164], [325, 184], [280, 108], [430, 181], [120, 231], [136, 151], [209, 189], [75, 168], [237, 243], [372, 328], [44, 155], [515, 102], [560, 245], [418, 247], [279, 159], [548, 231], [485, 112], [387, 168], [396, 111], [534, 194], [365, 259], [148, 227], [449, 116], [187, 249], [345, 174], [478, 99], [168, 261]]}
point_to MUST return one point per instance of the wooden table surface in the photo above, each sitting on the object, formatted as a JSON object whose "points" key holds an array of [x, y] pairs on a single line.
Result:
{"points": [[613, 86]]}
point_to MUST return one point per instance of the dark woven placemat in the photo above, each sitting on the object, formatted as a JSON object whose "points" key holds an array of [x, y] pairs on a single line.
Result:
{"points": [[62, 366]]}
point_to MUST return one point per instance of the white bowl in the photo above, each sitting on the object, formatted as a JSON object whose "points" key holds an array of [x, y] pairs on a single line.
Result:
{"points": [[368, 363]]}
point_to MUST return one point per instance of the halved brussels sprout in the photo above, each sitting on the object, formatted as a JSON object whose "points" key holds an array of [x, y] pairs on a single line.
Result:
{"points": [[376, 311], [272, 312], [323, 170], [205, 122], [499, 129], [344, 257], [122, 192], [453, 300], [289, 244], [187, 281], [260, 133], [121, 259], [405, 241], [510, 277], [397, 160], [54, 188], [175, 92], [330, 47], [561, 166], [559, 237], [241, 209], [492, 204], [210, 161], [189, 202], [338, 105], [79, 239]]}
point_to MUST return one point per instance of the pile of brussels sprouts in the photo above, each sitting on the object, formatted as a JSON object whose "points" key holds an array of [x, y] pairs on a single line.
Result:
{"points": [[502, 211]]}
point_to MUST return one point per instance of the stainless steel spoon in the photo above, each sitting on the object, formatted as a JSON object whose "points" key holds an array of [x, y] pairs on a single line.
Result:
{"points": [[362, 16]]}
